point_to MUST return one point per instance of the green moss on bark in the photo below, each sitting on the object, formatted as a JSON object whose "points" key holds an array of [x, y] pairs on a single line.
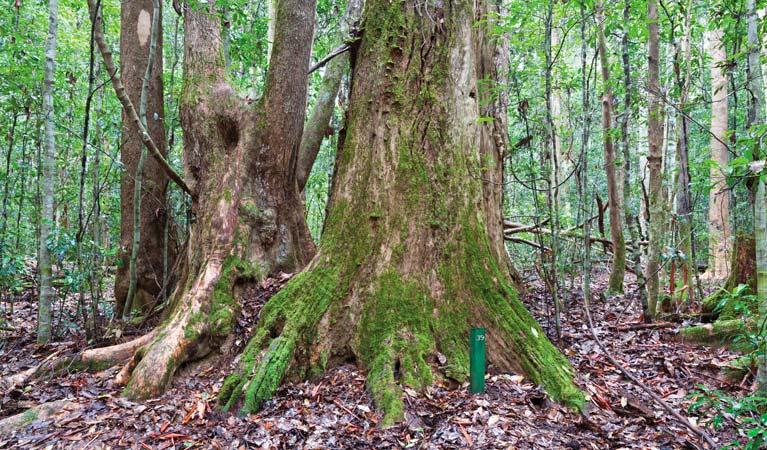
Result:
{"points": [[289, 318], [721, 332], [395, 339]]}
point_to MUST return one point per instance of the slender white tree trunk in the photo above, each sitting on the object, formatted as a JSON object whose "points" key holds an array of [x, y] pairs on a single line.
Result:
{"points": [[49, 174], [719, 198], [756, 118]]}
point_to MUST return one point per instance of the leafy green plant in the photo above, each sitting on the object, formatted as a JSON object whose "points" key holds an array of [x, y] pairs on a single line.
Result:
{"points": [[739, 301], [748, 414]]}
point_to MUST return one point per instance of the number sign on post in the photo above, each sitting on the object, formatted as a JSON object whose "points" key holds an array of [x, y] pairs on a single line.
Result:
{"points": [[477, 360]]}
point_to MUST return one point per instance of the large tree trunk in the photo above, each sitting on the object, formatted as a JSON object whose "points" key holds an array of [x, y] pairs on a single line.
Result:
{"points": [[135, 34], [240, 162], [719, 233], [492, 53], [406, 266]]}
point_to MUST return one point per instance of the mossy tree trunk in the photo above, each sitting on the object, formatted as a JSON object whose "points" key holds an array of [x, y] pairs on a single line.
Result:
{"points": [[743, 264], [406, 266], [240, 162]]}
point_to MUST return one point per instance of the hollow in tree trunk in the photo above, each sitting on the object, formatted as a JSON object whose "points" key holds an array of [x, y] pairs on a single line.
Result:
{"points": [[406, 266], [239, 166]]}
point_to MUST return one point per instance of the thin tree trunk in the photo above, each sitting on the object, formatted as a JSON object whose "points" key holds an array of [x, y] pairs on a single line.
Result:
{"points": [[756, 118], [81, 219], [552, 194], [319, 119], [683, 195], [618, 270], [654, 158], [719, 233], [24, 170], [7, 188], [583, 175], [632, 222], [48, 179]]}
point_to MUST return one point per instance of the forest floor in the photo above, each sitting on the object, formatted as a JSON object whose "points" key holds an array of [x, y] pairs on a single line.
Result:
{"points": [[336, 412]]}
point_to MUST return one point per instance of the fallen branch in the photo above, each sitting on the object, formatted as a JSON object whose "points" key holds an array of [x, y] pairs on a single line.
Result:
{"points": [[681, 419], [39, 412], [645, 326], [511, 228], [530, 243]]}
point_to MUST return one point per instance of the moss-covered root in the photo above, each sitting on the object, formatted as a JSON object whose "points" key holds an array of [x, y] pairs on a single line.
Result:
{"points": [[205, 312], [289, 321], [39, 412], [396, 366], [518, 335], [721, 332], [396, 339]]}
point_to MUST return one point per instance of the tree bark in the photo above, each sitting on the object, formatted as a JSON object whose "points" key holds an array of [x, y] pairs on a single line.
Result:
{"points": [[406, 267], [755, 119], [629, 211], [492, 53], [48, 180], [618, 270], [654, 158], [682, 71], [719, 233], [135, 42], [240, 159], [322, 112]]}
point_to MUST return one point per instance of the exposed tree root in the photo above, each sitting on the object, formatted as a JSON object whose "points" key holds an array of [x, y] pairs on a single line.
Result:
{"points": [[91, 360], [39, 412], [203, 317], [400, 330]]}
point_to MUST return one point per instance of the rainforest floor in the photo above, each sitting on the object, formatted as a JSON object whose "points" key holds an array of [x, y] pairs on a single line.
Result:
{"points": [[336, 412]]}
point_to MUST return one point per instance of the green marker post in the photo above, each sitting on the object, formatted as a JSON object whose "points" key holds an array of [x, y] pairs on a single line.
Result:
{"points": [[477, 360]]}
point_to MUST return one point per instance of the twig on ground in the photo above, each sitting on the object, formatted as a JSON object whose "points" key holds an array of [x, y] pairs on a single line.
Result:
{"points": [[682, 420]]}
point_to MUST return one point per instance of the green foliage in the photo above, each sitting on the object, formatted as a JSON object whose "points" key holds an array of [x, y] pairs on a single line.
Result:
{"points": [[738, 303], [748, 413]]}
